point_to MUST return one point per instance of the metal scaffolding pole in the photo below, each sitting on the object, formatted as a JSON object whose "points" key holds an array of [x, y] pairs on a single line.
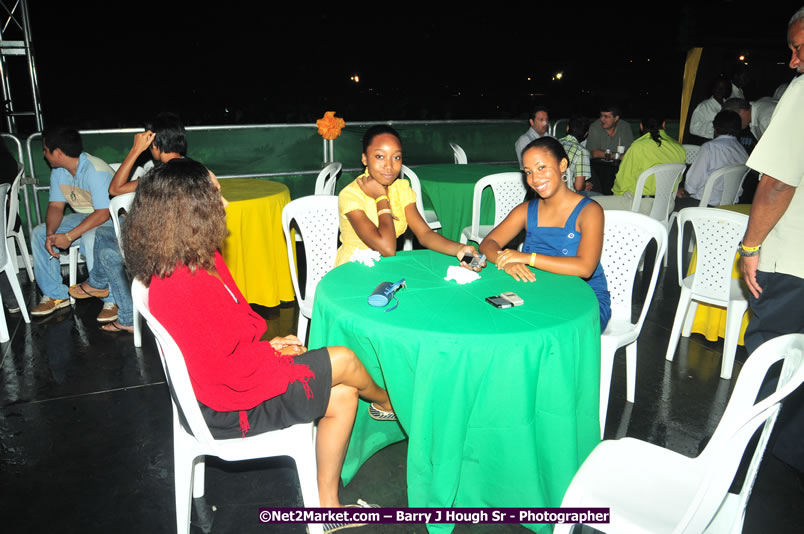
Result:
{"points": [[16, 45]]}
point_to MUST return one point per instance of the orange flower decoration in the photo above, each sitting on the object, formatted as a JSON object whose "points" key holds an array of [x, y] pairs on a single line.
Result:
{"points": [[330, 126]]}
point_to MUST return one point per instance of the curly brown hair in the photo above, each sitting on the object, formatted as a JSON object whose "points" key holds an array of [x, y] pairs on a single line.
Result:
{"points": [[177, 218]]}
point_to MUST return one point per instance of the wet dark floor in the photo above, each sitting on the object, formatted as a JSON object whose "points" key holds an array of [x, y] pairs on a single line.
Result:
{"points": [[85, 432]]}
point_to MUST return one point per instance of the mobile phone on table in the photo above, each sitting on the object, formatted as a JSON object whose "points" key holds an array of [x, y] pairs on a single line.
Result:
{"points": [[498, 302], [513, 298], [474, 261]]}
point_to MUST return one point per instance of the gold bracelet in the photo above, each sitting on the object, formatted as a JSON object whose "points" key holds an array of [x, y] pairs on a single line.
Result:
{"points": [[70, 239], [381, 197], [532, 258]]}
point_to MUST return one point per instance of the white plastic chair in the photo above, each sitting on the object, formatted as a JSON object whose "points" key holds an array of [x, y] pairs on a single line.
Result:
{"points": [[625, 238], [667, 179], [192, 440], [718, 233], [509, 191], [650, 489], [733, 177], [18, 235], [123, 202], [7, 266], [460, 154], [138, 173], [317, 221], [692, 152], [429, 216], [325, 182]]}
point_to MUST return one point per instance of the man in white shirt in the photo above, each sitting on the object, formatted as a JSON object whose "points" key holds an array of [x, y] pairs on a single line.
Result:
{"points": [[539, 126], [757, 115], [704, 113], [772, 257], [722, 151]]}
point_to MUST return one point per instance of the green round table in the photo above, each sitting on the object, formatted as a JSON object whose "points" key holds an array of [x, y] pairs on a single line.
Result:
{"points": [[449, 188], [500, 406]]}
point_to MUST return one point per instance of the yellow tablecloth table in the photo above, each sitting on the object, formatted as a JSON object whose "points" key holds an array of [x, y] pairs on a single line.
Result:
{"points": [[255, 249], [710, 321]]}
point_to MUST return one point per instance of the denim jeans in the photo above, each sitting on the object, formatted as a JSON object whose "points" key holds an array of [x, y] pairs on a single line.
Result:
{"points": [[48, 269], [109, 271]]}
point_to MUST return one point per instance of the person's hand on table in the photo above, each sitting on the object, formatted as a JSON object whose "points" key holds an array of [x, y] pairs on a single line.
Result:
{"points": [[288, 345], [748, 265], [469, 250], [515, 263]]}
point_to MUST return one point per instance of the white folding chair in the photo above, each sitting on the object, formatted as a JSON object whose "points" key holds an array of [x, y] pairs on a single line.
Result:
{"points": [[18, 235], [123, 202], [625, 238], [316, 220], [718, 233], [7, 266], [460, 154], [692, 152], [429, 216], [650, 489], [325, 182], [668, 176], [732, 177], [509, 191], [192, 440]]}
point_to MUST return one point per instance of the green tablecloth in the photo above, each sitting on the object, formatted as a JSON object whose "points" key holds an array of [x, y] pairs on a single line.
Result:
{"points": [[500, 405], [448, 189]]}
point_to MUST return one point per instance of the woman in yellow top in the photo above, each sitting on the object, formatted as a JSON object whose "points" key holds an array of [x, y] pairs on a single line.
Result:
{"points": [[377, 207]]}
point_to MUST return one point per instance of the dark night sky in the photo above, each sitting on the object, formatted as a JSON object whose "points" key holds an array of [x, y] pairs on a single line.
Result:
{"points": [[236, 62]]}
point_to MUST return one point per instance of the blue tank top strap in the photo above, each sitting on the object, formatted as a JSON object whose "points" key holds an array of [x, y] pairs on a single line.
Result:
{"points": [[570, 225]]}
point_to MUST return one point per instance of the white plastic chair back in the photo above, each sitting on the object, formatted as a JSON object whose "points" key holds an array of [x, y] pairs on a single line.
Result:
{"points": [[7, 266], [625, 239], [316, 220], [732, 177], [667, 179], [460, 154], [651, 489], [192, 438], [18, 235], [692, 152], [138, 172], [120, 202], [743, 416], [717, 232], [429, 216], [325, 182], [509, 191]]}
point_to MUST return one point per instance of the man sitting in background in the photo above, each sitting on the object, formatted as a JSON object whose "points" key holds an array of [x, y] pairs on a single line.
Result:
{"points": [[704, 113], [579, 172], [722, 151], [755, 115], [609, 133], [82, 181], [539, 126], [165, 139]]}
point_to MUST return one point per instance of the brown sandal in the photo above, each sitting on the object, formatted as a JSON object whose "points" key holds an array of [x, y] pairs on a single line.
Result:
{"points": [[115, 327], [78, 291]]}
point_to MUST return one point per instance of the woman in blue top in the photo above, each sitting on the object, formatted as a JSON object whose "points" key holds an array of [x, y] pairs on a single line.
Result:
{"points": [[564, 229]]}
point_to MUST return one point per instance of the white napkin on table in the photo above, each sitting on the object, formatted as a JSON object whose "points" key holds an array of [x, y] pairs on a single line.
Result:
{"points": [[365, 256], [461, 275]]}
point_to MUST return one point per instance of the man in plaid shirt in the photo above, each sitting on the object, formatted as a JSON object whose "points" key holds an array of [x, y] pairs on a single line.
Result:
{"points": [[579, 172]]}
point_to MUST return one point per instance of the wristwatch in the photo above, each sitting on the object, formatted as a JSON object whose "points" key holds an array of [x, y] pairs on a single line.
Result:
{"points": [[747, 252]]}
